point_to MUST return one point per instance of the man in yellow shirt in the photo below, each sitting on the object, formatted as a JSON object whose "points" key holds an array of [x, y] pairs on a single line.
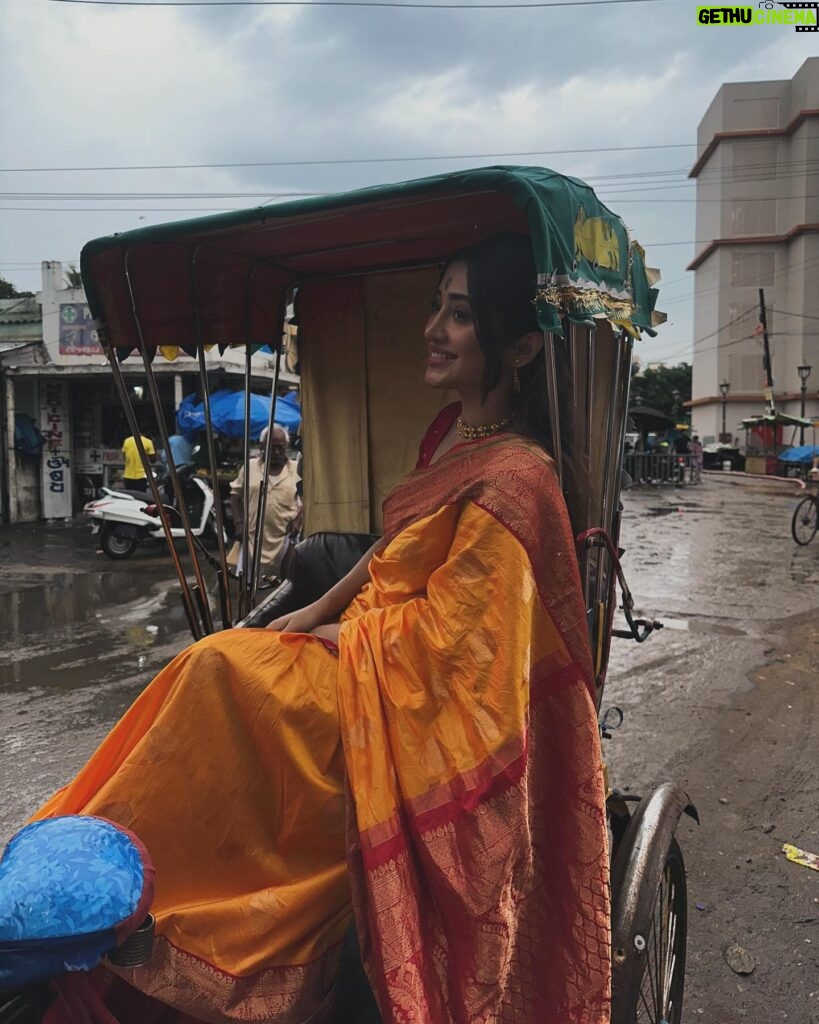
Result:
{"points": [[133, 476]]}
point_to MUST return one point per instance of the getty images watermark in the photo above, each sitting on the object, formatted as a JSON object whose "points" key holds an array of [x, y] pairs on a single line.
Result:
{"points": [[803, 16]]}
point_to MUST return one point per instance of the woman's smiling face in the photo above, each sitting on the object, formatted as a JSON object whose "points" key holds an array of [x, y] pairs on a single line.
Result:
{"points": [[455, 359]]}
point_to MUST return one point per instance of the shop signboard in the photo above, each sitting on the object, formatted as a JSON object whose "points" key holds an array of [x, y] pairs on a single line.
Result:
{"points": [[88, 460], [56, 454], [78, 336]]}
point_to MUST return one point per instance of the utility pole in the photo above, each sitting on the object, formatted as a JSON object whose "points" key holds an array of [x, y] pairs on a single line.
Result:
{"points": [[766, 361]]}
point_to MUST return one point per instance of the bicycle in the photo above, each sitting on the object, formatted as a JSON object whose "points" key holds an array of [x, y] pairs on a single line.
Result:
{"points": [[805, 520]]}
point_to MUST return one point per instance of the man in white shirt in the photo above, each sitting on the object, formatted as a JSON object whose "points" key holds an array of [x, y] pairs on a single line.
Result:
{"points": [[282, 509]]}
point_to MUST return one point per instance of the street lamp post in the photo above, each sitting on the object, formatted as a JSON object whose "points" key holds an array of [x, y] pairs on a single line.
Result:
{"points": [[724, 388], [804, 373]]}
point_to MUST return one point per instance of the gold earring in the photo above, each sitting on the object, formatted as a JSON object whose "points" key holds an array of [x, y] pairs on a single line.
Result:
{"points": [[515, 379]]}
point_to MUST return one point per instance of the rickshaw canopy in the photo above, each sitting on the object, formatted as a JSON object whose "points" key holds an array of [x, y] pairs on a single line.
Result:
{"points": [[225, 279]]}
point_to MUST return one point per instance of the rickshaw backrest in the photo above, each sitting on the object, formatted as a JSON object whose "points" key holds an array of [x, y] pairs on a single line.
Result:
{"points": [[317, 564], [364, 404]]}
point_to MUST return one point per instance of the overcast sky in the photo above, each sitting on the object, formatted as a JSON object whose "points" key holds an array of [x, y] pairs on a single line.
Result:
{"points": [[89, 86]]}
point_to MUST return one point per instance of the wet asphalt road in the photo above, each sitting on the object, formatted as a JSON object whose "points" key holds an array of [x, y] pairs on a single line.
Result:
{"points": [[724, 699], [80, 636]]}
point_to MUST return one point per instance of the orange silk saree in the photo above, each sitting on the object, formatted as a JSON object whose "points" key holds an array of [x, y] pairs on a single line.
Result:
{"points": [[454, 728]]}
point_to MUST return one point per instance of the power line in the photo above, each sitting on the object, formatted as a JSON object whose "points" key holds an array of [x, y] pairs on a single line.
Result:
{"points": [[346, 160], [802, 316], [610, 187], [350, 3], [784, 271], [721, 346]]}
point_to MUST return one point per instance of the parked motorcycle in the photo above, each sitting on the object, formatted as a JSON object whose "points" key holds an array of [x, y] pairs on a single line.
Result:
{"points": [[125, 519]]}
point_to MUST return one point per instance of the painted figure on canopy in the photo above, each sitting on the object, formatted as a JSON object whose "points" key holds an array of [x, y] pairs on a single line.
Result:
{"points": [[418, 750]]}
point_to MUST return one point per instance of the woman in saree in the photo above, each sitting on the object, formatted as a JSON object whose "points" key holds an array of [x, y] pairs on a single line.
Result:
{"points": [[418, 749]]}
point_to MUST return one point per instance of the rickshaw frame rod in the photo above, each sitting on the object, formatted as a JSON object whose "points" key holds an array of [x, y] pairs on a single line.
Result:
{"points": [[153, 390], [224, 596], [640, 629], [262, 502], [151, 510], [125, 401], [550, 341], [222, 574], [637, 865], [245, 583]]}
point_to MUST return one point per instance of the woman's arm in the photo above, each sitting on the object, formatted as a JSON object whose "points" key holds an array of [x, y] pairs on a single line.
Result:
{"points": [[327, 608]]}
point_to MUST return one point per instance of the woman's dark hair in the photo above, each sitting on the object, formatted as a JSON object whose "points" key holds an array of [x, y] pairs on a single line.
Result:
{"points": [[501, 280]]}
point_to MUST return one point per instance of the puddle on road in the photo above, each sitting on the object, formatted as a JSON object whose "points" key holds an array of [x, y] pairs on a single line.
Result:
{"points": [[79, 629], [695, 624], [678, 507]]}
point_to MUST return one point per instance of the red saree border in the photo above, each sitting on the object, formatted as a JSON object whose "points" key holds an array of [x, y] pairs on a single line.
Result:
{"points": [[288, 993], [441, 805]]}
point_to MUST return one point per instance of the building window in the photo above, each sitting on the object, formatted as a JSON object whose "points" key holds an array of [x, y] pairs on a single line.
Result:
{"points": [[752, 268], [752, 216], [760, 112], [755, 161], [746, 372]]}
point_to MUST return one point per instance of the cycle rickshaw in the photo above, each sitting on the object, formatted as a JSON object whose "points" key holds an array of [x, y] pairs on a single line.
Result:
{"points": [[346, 261]]}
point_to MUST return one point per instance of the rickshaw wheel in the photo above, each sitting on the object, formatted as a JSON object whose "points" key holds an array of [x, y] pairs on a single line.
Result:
{"points": [[805, 521], [116, 546], [656, 995]]}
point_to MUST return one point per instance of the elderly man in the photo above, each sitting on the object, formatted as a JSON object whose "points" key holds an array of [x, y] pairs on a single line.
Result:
{"points": [[283, 508]]}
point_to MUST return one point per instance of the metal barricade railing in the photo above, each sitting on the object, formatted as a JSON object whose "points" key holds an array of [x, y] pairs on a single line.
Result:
{"points": [[657, 468]]}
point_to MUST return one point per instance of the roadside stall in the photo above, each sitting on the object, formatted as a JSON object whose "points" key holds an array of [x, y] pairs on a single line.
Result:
{"points": [[767, 437]]}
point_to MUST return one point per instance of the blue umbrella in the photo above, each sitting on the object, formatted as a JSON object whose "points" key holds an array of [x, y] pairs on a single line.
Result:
{"points": [[288, 411], [803, 454], [227, 410]]}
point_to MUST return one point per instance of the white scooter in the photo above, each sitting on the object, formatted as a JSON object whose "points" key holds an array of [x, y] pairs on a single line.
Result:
{"points": [[122, 519]]}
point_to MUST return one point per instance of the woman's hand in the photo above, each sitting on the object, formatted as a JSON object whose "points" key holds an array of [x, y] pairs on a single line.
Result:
{"points": [[305, 620], [327, 632]]}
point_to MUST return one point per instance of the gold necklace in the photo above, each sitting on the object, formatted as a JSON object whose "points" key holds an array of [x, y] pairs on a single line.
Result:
{"points": [[481, 430]]}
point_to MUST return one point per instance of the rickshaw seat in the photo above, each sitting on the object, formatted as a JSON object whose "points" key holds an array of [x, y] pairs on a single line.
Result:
{"points": [[316, 564]]}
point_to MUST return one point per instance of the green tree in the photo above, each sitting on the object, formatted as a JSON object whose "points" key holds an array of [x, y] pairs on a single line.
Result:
{"points": [[8, 291], [656, 389]]}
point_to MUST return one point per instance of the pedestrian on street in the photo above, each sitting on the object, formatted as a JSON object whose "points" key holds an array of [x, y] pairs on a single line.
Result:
{"points": [[133, 476], [282, 516], [181, 450], [696, 459]]}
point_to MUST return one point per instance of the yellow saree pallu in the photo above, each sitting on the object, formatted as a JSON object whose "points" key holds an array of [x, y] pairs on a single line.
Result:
{"points": [[455, 730], [479, 856]]}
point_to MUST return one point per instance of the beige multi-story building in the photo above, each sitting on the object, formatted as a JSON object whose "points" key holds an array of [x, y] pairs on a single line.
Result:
{"points": [[757, 175]]}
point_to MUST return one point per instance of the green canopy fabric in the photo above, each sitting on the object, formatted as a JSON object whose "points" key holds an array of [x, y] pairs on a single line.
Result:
{"points": [[223, 279]]}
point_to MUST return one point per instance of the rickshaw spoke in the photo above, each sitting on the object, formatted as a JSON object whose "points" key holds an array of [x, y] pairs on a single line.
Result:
{"points": [[649, 1011], [670, 947], [649, 972]]}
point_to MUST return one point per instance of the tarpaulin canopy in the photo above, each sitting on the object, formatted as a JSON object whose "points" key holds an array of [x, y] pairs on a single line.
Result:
{"points": [[226, 279], [804, 454], [228, 413], [646, 418], [773, 420]]}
